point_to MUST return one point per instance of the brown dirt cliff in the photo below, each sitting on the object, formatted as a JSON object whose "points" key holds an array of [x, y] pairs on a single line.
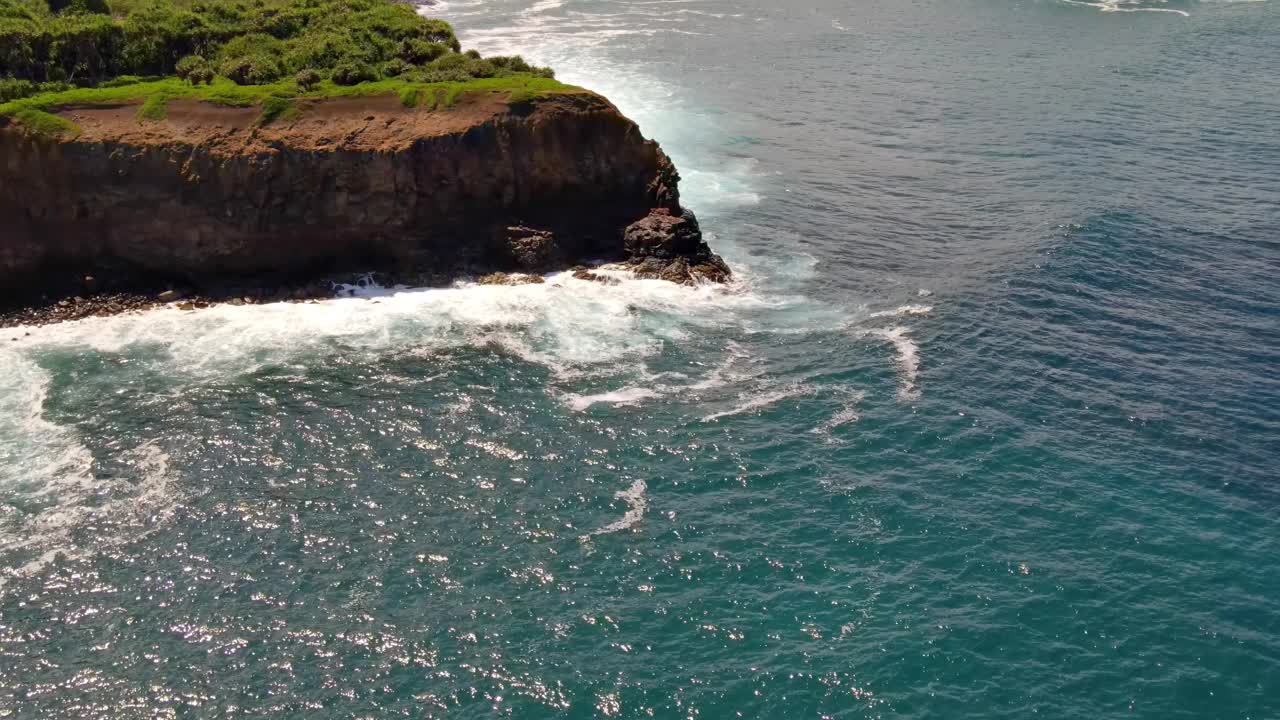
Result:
{"points": [[208, 195]]}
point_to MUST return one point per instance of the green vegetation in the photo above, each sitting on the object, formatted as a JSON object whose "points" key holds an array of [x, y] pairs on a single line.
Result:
{"points": [[45, 123], [155, 107], [236, 52], [275, 108], [278, 100]]}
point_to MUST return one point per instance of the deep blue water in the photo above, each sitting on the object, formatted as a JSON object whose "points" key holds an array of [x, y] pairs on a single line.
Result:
{"points": [[988, 426]]}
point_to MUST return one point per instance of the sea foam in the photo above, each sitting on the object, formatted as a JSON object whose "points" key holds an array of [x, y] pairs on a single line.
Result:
{"points": [[637, 504], [48, 490]]}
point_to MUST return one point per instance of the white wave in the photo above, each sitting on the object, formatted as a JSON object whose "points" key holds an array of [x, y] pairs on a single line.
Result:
{"points": [[908, 361], [33, 449], [544, 6], [902, 311], [625, 396], [847, 414], [1127, 6], [574, 328], [724, 373], [565, 325], [47, 488], [756, 401], [637, 503]]}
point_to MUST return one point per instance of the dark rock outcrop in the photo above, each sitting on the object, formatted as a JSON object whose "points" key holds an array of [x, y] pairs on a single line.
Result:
{"points": [[501, 278], [209, 199], [670, 247], [534, 250]]}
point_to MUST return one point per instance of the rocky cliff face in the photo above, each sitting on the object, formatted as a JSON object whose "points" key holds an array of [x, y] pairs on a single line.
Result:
{"points": [[208, 196]]}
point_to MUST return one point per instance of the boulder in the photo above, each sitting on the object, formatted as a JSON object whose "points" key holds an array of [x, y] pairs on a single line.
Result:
{"points": [[664, 235], [589, 276], [533, 250], [501, 278]]}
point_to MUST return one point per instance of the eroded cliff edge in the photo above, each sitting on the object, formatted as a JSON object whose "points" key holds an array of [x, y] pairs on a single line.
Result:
{"points": [[209, 195]]}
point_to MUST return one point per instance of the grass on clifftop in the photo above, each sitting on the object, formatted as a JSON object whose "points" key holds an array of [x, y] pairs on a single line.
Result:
{"points": [[278, 101], [268, 53]]}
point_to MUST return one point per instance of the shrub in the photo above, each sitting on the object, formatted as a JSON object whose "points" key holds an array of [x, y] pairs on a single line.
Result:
{"points": [[153, 39], [79, 7], [353, 73], [23, 9], [252, 70], [452, 61], [307, 79], [250, 45], [189, 65], [252, 42], [11, 89], [514, 63], [481, 69], [439, 76], [420, 52], [396, 68], [203, 75], [325, 50]]}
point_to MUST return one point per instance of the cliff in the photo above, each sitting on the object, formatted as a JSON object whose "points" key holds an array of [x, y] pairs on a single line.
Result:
{"points": [[208, 194]]}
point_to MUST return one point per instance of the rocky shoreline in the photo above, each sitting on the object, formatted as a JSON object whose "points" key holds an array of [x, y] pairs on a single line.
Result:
{"points": [[49, 310], [662, 246]]}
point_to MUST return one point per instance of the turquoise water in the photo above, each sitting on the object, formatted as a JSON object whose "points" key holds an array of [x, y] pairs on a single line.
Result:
{"points": [[986, 428]]}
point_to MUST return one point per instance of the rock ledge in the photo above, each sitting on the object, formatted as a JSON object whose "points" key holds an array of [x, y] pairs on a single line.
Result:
{"points": [[211, 205]]}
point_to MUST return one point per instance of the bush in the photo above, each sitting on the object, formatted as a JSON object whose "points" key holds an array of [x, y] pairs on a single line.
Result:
{"points": [[307, 79], [514, 63], [11, 89], [325, 50], [481, 69], [252, 42], [420, 52], [396, 68], [452, 61], [202, 76], [79, 7], [154, 38], [252, 70], [353, 73], [189, 65]]}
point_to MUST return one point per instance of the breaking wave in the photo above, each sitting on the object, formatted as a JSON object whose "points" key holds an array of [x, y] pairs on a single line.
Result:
{"points": [[1129, 6]]}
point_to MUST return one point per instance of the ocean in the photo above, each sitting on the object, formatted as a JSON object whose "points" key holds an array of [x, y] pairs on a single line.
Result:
{"points": [[988, 425]]}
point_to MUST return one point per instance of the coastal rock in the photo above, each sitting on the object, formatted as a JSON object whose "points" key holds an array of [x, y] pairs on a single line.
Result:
{"points": [[533, 250], [670, 247], [501, 278], [589, 276], [664, 235], [209, 198]]}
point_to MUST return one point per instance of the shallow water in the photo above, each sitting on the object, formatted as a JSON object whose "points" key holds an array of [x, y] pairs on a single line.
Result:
{"points": [[987, 426]]}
